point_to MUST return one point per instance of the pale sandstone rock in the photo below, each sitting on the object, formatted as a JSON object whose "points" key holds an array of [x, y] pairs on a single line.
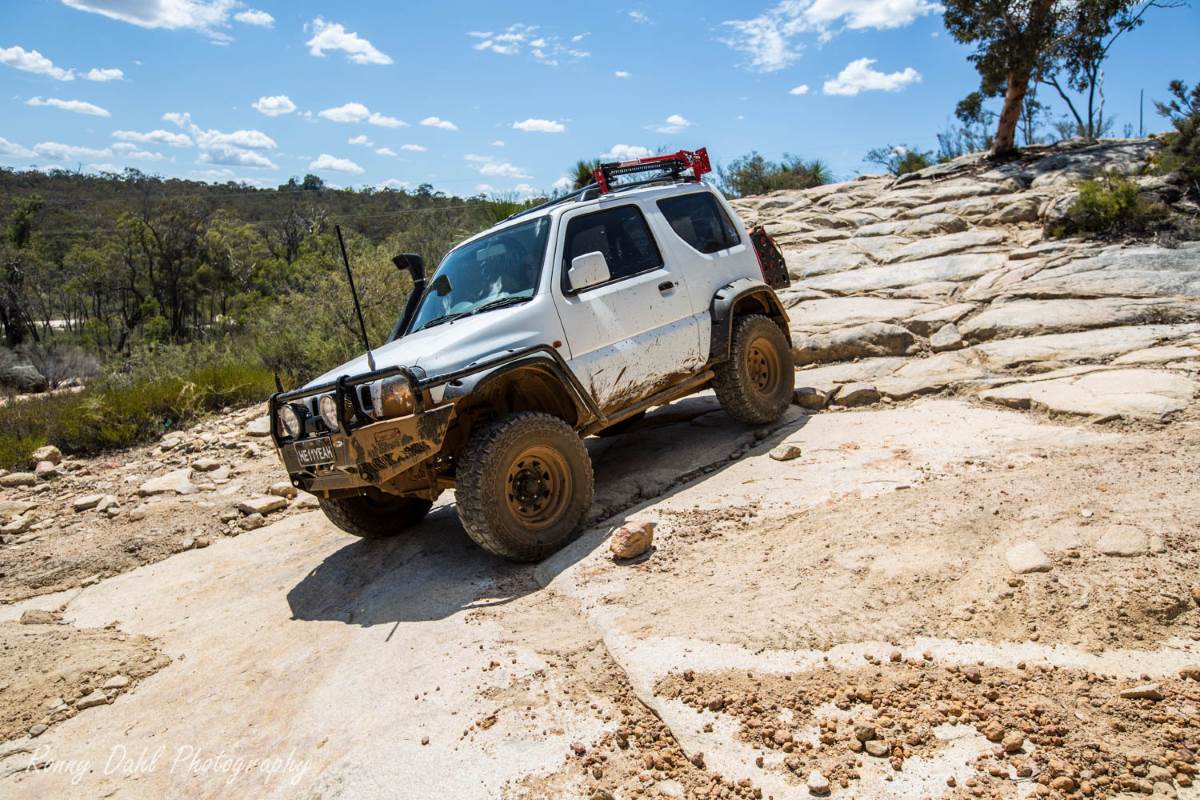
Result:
{"points": [[1027, 557], [631, 540], [1128, 393], [175, 482]]}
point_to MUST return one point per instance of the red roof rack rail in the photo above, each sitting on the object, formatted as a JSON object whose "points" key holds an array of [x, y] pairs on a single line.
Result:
{"points": [[675, 163]]}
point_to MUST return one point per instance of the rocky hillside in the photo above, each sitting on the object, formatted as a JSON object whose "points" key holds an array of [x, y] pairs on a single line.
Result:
{"points": [[943, 281]]}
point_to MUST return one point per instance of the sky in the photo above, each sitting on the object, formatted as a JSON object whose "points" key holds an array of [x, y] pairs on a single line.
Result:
{"points": [[496, 98]]}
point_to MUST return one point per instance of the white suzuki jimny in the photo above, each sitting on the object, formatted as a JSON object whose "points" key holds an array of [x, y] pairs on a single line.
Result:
{"points": [[566, 320]]}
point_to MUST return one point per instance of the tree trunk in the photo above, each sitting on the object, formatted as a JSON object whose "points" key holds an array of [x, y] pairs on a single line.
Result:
{"points": [[1006, 129]]}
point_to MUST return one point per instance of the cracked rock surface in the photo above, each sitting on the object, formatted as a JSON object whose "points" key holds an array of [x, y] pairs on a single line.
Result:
{"points": [[962, 243]]}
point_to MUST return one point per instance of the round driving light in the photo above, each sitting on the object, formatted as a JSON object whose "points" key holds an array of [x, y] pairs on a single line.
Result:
{"points": [[392, 397], [290, 421], [328, 408]]}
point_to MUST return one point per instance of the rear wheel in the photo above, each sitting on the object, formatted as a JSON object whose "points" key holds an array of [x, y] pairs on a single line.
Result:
{"points": [[755, 384], [524, 486], [375, 516]]}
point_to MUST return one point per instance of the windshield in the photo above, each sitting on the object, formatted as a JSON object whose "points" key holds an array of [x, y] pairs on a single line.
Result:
{"points": [[497, 270]]}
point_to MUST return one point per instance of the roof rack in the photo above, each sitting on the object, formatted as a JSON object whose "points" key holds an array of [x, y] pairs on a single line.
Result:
{"points": [[674, 163]]}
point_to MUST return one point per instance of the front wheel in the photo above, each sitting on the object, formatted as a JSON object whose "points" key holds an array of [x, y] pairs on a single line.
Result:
{"points": [[375, 516], [755, 385], [524, 486]]}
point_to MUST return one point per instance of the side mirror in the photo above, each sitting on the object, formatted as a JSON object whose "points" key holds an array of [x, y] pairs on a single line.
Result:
{"points": [[587, 270]]}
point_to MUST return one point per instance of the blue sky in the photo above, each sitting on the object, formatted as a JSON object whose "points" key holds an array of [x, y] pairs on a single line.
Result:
{"points": [[494, 97]]}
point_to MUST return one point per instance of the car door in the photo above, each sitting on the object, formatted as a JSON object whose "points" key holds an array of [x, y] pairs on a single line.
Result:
{"points": [[635, 333]]}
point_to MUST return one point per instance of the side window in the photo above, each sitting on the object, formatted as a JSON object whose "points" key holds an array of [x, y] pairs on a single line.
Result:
{"points": [[700, 221], [621, 234]]}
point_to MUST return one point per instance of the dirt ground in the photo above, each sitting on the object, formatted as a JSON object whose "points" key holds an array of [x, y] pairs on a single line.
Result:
{"points": [[928, 559], [793, 618], [48, 668]]}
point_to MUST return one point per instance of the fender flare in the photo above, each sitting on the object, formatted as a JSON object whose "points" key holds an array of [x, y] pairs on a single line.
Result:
{"points": [[465, 385], [724, 305]]}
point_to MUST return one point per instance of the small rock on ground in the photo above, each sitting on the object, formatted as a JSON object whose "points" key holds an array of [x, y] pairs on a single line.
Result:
{"points": [[1146, 691], [817, 783], [631, 540], [38, 616], [857, 394], [1027, 557], [785, 452], [810, 398], [1123, 542], [262, 505], [946, 338]]}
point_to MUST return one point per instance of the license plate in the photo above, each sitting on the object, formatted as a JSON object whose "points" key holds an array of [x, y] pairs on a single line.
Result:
{"points": [[317, 451]]}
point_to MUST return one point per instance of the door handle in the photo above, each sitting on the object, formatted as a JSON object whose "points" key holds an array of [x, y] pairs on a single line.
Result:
{"points": [[667, 286]]}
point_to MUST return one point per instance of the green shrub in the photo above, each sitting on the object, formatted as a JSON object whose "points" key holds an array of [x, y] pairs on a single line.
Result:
{"points": [[1182, 151], [152, 393], [1109, 206]]}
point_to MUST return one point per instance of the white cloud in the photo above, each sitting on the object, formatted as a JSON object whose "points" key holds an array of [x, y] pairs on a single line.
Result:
{"points": [[357, 112], [59, 150], [639, 17], [771, 40], [158, 136], [674, 124], [800, 90], [13, 149], [253, 16], [622, 74], [857, 76], [104, 75], [413, 148], [199, 15], [349, 112], [360, 139], [332, 36], [519, 38], [234, 157], [385, 121], [484, 188], [490, 167], [233, 148], [128, 150], [526, 190], [35, 62], [76, 106], [562, 184], [385, 151], [274, 106], [438, 122], [498, 143], [392, 183], [626, 152], [533, 125], [333, 163]]}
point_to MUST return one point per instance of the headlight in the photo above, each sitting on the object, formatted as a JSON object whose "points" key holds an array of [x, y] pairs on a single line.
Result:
{"points": [[328, 408], [391, 397], [289, 420]]}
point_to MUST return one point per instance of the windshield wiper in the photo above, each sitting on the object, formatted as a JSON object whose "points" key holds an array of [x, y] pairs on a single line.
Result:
{"points": [[444, 318], [501, 303]]}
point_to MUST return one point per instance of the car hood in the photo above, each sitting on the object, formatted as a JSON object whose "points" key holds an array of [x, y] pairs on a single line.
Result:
{"points": [[447, 347]]}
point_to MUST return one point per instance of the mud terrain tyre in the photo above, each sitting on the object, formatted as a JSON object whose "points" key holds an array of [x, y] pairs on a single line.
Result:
{"points": [[374, 517], [755, 385], [524, 485]]}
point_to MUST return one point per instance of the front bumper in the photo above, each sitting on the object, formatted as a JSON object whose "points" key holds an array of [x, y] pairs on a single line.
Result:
{"points": [[372, 455]]}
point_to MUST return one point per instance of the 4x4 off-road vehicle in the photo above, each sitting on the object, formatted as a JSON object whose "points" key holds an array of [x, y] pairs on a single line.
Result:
{"points": [[565, 320]]}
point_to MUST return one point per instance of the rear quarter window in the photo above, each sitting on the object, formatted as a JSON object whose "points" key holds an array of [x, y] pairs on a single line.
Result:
{"points": [[700, 221]]}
